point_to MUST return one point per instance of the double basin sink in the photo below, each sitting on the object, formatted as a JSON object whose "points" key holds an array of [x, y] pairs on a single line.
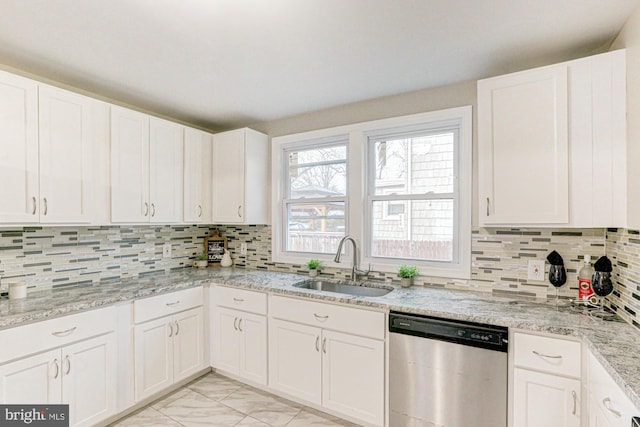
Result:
{"points": [[348, 288]]}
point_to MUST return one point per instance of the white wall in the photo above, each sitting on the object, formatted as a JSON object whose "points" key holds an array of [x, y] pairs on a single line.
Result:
{"points": [[629, 38]]}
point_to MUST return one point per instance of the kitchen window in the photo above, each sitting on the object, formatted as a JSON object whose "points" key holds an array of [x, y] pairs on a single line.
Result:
{"points": [[401, 187]]}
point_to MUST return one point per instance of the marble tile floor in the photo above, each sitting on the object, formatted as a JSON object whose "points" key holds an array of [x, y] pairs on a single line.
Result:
{"points": [[214, 400]]}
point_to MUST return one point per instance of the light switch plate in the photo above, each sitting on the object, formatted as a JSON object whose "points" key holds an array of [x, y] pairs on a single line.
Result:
{"points": [[536, 270], [243, 248], [166, 250]]}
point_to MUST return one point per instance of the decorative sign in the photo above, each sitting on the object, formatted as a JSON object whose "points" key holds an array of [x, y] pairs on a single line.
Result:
{"points": [[214, 247]]}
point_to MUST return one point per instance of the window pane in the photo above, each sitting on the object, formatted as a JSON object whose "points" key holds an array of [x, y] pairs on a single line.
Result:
{"points": [[424, 232], [315, 227], [415, 165], [318, 172]]}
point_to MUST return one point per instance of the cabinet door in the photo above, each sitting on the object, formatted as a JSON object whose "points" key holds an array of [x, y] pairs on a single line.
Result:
{"points": [[542, 400], [228, 177], [18, 150], [253, 347], [129, 166], [225, 340], [188, 343], [66, 181], [35, 379], [166, 170], [197, 176], [295, 365], [353, 376], [153, 357], [596, 416], [523, 148], [89, 371]]}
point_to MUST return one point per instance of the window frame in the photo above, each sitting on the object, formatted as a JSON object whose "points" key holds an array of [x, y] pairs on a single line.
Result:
{"points": [[357, 137]]}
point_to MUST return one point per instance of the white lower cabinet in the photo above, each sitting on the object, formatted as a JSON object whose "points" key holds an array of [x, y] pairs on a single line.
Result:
{"points": [[314, 362], [608, 404], [546, 381], [241, 344], [167, 350], [239, 333], [295, 360], [543, 400], [81, 374]]}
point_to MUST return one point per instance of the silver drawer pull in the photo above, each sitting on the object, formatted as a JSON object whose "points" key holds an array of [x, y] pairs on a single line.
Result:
{"points": [[320, 317], [64, 333], [46, 206], [240, 325], [170, 329], [238, 299], [199, 211], [324, 345], [318, 343], [607, 404], [575, 401], [546, 355], [177, 328], [68, 362], [171, 304], [33, 212]]}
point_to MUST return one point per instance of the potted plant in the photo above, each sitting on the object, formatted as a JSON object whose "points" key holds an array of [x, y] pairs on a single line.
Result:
{"points": [[313, 265], [201, 261], [406, 274]]}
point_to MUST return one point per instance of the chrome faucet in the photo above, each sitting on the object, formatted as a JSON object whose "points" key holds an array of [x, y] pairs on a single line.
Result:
{"points": [[355, 271]]}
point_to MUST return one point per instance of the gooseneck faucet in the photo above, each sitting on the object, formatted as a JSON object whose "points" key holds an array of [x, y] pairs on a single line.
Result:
{"points": [[355, 271]]}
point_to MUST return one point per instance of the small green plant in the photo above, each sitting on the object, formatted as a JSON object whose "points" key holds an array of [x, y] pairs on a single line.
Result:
{"points": [[313, 264], [201, 257], [408, 271]]}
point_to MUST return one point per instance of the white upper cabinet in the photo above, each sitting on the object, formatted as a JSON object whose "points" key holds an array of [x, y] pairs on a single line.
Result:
{"points": [[66, 159], [240, 177], [18, 149], [523, 148], [165, 168], [198, 148], [47, 138], [146, 168], [129, 166], [551, 145]]}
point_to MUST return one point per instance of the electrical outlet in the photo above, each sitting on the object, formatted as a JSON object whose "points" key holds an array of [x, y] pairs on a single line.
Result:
{"points": [[536, 270], [243, 248], [166, 250]]}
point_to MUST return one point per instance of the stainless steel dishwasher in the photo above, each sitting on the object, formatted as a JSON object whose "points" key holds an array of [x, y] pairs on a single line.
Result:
{"points": [[446, 373]]}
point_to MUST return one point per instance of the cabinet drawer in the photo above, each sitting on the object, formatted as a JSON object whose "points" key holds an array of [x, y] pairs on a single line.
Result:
{"points": [[553, 355], [166, 304], [327, 316], [608, 396], [240, 299], [48, 334]]}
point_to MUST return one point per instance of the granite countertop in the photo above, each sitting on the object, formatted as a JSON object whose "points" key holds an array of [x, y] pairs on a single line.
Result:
{"points": [[616, 344]]}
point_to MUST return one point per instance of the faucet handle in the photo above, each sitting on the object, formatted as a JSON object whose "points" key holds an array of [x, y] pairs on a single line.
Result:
{"points": [[363, 272]]}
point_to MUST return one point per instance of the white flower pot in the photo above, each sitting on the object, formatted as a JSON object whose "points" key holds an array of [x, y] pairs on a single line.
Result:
{"points": [[406, 282], [313, 272], [200, 263]]}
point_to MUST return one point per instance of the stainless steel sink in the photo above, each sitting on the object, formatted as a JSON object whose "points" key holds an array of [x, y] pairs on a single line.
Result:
{"points": [[344, 288]]}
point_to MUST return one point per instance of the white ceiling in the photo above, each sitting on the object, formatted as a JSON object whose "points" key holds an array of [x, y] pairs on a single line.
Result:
{"points": [[229, 63]]}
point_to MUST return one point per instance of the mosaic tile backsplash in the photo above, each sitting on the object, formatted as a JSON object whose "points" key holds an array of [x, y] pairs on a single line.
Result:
{"points": [[623, 248], [48, 257], [499, 258]]}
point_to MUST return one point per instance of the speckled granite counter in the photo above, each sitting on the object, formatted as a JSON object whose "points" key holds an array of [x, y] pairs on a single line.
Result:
{"points": [[615, 344]]}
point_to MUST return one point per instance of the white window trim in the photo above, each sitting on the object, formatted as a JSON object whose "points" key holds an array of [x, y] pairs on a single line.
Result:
{"points": [[356, 190]]}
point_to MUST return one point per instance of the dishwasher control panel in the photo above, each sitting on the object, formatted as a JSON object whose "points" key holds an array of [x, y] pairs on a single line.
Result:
{"points": [[461, 332]]}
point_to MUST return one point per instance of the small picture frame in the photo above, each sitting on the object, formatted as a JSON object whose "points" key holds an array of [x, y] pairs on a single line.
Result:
{"points": [[214, 247]]}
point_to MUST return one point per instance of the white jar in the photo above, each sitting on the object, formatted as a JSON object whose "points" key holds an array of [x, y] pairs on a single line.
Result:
{"points": [[17, 290]]}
